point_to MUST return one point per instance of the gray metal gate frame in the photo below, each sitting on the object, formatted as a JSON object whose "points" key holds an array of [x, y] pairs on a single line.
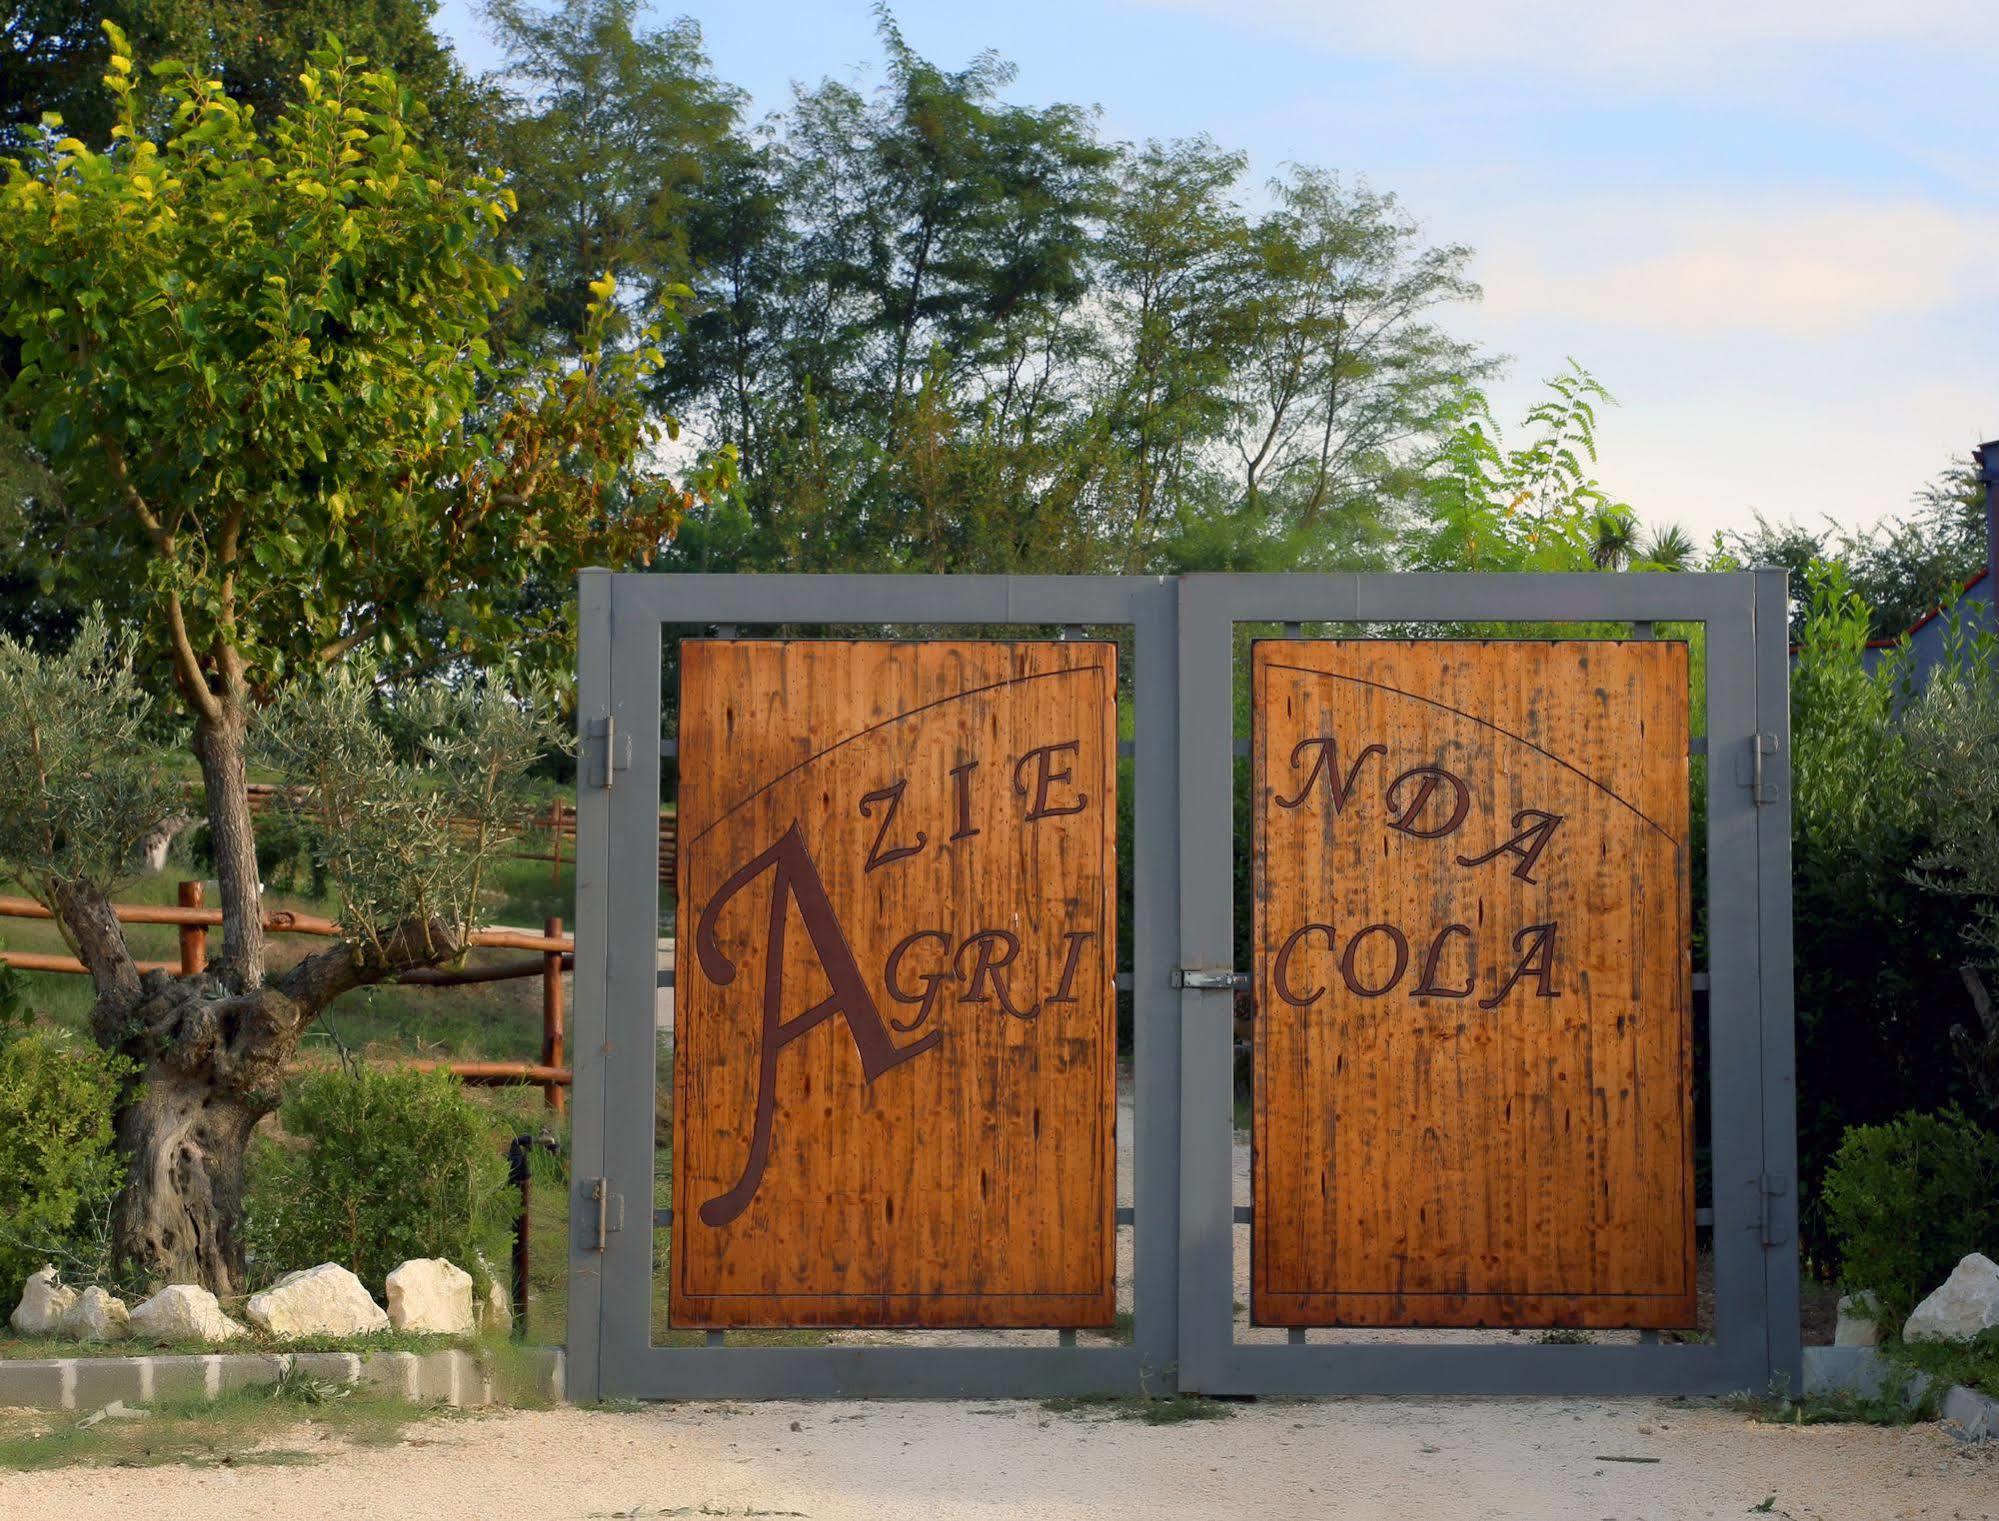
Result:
{"points": [[1182, 1217]]}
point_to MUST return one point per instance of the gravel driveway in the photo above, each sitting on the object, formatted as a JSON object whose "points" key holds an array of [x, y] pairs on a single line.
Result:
{"points": [[1544, 1460]]}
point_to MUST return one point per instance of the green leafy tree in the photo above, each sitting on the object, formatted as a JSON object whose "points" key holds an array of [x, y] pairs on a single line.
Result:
{"points": [[1345, 380], [1877, 957], [608, 133], [1903, 567], [254, 355], [1537, 506], [53, 52]]}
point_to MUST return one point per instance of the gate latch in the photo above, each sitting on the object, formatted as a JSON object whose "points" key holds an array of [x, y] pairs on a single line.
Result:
{"points": [[1200, 977], [606, 1213]]}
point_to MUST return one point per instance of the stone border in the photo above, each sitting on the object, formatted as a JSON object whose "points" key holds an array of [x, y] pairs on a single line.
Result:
{"points": [[1969, 1415], [451, 1377]]}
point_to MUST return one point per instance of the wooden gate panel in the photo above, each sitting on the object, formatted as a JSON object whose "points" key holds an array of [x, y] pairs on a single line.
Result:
{"points": [[910, 1121], [1472, 1044]]}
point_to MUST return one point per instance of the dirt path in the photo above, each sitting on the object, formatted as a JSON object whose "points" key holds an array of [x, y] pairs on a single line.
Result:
{"points": [[941, 1462]]}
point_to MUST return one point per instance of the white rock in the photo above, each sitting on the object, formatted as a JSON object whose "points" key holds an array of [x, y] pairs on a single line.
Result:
{"points": [[184, 1312], [43, 1304], [1967, 1303], [432, 1295], [97, 1316], [323, 1301], [1859, 1320]]}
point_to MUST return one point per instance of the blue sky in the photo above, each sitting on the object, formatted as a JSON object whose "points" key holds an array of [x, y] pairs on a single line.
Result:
{"points": [[1770, 226]]}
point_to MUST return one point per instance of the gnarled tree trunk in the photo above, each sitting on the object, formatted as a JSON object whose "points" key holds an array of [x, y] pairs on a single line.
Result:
{"points": [[179, 1218], [208, 1067]]}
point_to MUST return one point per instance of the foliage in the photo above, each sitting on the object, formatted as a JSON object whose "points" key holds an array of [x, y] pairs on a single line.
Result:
{"points": [[1906, 1200], [949, 332], [1902, 568], [375, 1167], [55, 51], [59, 1166], [608, 132], [1537, 506], [405, 797], [1877, 984], [1835, 1407], [1953, 732], [80, 782], [1974, 1363], [255, 354]]}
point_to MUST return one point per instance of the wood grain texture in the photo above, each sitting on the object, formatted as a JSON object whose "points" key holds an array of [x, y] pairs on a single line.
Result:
{"points": [[1486, 1125], [936, 1074]]}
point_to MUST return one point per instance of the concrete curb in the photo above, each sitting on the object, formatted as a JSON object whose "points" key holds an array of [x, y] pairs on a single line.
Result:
{"points": [[1965, 1413], [451, 1377]]}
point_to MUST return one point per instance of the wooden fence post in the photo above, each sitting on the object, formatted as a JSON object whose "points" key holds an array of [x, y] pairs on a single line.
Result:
{"points": [[555, 844], [551, 1014], [193, 937]]}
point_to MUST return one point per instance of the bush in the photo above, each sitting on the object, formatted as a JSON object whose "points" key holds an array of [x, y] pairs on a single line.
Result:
{"points": [[1878, 987], [1907, 1200], [59, 1167], [375, 1168]]}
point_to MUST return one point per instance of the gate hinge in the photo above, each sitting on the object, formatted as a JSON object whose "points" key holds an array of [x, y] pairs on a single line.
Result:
{"points": [[610, 751], [605, 1213], [1753, 773], [1772, 1217], [1201, 977]]}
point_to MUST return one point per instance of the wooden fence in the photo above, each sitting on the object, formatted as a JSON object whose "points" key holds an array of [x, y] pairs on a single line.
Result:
{"points": [[554, 952], [557, 824]]}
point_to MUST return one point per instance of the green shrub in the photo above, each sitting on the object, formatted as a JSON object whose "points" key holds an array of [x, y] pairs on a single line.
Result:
{"points": [[1906, 1200], [59, 1168], [375, 1168]]}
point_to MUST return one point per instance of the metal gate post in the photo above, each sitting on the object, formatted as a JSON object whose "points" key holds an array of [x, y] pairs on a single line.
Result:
{"points": [[1774, 971], [583, 1369]]}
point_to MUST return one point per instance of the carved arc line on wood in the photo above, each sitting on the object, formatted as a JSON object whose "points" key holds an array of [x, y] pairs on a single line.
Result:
{"points": [[1519, 739], [894, 718]]}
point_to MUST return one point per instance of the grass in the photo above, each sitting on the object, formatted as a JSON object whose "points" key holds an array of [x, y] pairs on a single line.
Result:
{"points": [[1975, 1363], [296, 1420], [494, 1020], [1172, 1410], [255, 1341], [1841, 1407]]}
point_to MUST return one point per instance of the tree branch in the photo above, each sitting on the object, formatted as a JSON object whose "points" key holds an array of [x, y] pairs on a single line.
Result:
{"points": [[323, 976], [326, 654], [187, 664], [90, 923]]}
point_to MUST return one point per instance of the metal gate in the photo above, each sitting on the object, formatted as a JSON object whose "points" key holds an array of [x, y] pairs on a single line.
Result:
{"points": [[1183, 635]]}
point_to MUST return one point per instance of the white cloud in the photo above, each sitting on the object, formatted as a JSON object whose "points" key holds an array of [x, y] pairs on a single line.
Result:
{"points": [[1590, 35], [1789, 265]]}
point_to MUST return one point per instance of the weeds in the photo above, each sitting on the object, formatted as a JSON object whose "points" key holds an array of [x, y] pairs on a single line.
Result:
{"points": [[295, 1420], [1891, 1407], [1171, 1410]]}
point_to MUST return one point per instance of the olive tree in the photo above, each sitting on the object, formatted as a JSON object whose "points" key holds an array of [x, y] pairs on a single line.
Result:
{"points": [[254, 356]]}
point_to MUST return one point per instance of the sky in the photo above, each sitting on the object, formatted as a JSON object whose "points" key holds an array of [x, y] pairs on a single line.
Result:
{"points": [[1771, 227]]}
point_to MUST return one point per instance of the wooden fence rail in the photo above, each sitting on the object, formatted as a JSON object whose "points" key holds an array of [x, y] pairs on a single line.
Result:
{"points": [[556, 953], [558, 823]]}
